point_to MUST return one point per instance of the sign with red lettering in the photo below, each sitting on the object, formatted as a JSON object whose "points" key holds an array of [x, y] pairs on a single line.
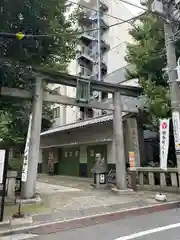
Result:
{"points": [[164, 142]]}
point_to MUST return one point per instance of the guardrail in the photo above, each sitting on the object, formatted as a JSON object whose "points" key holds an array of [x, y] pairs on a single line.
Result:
{"points": [[153, 178]]}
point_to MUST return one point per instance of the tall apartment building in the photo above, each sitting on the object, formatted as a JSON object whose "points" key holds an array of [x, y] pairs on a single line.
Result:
{"points": [[113, 50]]}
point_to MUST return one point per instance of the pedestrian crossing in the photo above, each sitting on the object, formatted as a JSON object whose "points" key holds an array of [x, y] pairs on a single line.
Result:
{"points": [[18, 237]]}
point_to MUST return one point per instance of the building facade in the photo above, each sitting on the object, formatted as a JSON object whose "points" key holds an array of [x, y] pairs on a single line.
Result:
{"points": [[79, 134], [113, 50], [72, 148]]}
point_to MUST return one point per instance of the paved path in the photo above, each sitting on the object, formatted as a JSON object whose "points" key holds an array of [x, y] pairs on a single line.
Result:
{"points": [[45, 188], [69, 198], [66, 198], [160, 226]]}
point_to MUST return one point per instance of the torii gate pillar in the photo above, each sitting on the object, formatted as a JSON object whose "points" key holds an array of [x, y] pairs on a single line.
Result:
{"points": [[121, 182]]}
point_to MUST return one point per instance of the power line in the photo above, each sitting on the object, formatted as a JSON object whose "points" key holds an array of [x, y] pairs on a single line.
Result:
{"points": [[95, 10], [21, 36], [145, 9], [134, 5], [116, 46]]}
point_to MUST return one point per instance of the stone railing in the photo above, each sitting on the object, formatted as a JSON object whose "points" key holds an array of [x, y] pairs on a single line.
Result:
{"points": [[155, 178]]}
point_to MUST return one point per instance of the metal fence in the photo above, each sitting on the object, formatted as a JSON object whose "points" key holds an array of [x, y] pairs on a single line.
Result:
{"points": [[112, 177]]}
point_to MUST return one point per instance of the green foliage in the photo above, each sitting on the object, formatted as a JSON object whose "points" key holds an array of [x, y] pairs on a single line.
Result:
{"points": [[157, 104], [148, 56], [17, 58]]}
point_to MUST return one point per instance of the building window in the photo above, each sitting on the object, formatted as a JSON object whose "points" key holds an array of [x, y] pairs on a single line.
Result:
{"points": [[56, 112], [89, 113], [86, 113], [104, 95]]}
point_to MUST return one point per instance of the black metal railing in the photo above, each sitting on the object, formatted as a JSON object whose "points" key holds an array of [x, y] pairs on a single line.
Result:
{"points": [[112, 177]]}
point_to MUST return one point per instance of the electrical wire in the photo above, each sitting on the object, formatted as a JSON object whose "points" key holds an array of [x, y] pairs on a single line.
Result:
{"points": [[145, 9], [11, 35], [95, 10], [134, 5]]}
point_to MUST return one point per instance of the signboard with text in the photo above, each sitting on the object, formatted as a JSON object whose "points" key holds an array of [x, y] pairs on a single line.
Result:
{"points": [[176, 130], [132, 159], [26, 153], [2, 161], [164, 142]]}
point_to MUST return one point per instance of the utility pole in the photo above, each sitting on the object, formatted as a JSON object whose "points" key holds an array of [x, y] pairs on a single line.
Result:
{"points": [[99, 39], [164, 8], [99, 44], [29, 187], [173, 83], [173, 77]]}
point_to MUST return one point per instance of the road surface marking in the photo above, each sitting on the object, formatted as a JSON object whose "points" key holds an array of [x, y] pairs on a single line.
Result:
{"points": [[19, 237], [150, 231]]}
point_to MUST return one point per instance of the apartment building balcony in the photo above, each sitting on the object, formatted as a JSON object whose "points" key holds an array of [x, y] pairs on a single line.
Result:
{"points": [[85, 18], [92, 4], [85, 55], [103, 23], [103, 70], [94, 75], [90, 17], [103, 65], [104, 46], [87, 37], [84, 72], [103, 6]]}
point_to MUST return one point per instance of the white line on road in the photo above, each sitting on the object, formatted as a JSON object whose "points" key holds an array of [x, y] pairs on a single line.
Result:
{"points": [[150, 231]]}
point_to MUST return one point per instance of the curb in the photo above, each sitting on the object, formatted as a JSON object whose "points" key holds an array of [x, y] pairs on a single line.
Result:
{"points": [[5, 224], [57, 226], [121, 192]]}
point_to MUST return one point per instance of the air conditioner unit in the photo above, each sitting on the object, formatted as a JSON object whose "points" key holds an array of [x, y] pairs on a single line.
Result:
{"points": [[143, 2], [157, 6]]}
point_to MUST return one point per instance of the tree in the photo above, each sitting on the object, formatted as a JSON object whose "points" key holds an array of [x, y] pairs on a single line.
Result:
{"points": [[148, 57], [37, 17]]}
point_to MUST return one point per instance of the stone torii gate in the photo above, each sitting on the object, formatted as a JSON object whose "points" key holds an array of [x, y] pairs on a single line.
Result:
{"points": [[83, 88]]}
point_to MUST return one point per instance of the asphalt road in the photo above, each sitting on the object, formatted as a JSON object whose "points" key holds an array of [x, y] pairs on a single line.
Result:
{"points": [[162, 225]]}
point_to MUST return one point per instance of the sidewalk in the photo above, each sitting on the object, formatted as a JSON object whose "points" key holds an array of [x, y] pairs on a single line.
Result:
{"points": [[70, 200]]}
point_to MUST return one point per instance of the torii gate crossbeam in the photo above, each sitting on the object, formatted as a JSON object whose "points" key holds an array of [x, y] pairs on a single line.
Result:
{"points": [[39, 96]]}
